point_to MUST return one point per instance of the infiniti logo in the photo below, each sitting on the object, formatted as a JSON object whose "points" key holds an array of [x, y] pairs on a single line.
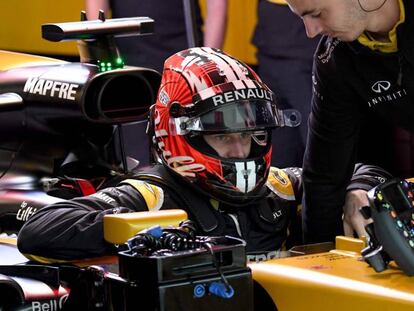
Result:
{"points": [[381, 86]]}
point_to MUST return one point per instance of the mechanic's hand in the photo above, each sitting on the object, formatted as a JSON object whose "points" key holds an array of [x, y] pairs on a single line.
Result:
{"points": [[353, 219]]}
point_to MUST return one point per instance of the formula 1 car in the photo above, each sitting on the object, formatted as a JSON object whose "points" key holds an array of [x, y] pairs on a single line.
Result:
{"points": [[199, 274], [63, 122]]}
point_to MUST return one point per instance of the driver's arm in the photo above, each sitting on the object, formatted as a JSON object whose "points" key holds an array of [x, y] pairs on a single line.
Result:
{"points": [[73, 229]]}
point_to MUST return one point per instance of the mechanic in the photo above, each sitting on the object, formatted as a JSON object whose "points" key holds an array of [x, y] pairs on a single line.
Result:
{"points": [[363, 69], [211, 134]]}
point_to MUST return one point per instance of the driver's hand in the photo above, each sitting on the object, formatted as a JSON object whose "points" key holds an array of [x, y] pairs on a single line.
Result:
{"points": [[352, 218]]}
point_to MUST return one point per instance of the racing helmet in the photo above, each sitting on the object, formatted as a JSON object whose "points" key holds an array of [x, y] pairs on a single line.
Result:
{"points": [[204, 91]]}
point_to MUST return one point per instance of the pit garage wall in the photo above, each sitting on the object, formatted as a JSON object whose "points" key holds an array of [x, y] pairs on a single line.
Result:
{"points": [[21, 20]]}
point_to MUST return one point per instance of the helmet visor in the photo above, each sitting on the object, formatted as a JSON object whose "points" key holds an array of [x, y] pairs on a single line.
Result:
{"points": [[245, 115]]}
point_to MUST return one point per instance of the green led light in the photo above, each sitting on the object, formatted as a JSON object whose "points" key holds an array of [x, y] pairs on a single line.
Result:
{"points": [[102, 67], [105, 65]]}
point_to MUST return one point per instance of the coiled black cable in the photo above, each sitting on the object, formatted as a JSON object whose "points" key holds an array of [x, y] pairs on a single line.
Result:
{"points": [[170, 239], [181, 238], [143, 244]]}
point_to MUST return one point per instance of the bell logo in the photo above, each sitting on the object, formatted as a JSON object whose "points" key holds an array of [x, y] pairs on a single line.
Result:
{"points": [[381, 86]]}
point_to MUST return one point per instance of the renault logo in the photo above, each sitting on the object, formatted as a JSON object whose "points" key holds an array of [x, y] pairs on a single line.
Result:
{"points": [[381, 86]]}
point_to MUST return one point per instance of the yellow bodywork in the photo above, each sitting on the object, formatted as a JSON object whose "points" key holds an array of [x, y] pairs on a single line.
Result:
{"points": [[118, 228], [10, 60], [337, 280], [8, 240]]}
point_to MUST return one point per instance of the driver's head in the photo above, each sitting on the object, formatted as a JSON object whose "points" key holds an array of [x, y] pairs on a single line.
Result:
{"points": [[212, 124]]}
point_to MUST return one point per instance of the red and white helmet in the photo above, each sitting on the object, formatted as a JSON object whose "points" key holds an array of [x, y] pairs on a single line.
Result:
{"points": [[205, 91]]}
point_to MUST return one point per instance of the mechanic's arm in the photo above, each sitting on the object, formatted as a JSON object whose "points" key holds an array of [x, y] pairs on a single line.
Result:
{"points": [[334, 125], [215, 23], [93, 7], [365, 178], [73, 229]]}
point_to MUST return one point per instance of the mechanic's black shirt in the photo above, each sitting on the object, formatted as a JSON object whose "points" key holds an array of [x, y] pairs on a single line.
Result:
{"points": [[169, 35], [351, 81], [284, 39]]}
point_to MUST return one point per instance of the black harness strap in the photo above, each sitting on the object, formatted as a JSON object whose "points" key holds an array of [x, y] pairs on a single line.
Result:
{"points": [[191, 201]]}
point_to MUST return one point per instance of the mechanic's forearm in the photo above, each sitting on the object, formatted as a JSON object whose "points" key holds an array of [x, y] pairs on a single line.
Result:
{"points": [[93, 6], [215, 23]]}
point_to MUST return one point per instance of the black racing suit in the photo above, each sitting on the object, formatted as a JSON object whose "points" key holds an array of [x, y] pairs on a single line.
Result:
{"points": [[352, 83], [74, 229]]}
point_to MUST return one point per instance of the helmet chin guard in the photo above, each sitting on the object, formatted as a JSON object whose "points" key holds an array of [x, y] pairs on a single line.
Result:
{"points": [[240, 182]]}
